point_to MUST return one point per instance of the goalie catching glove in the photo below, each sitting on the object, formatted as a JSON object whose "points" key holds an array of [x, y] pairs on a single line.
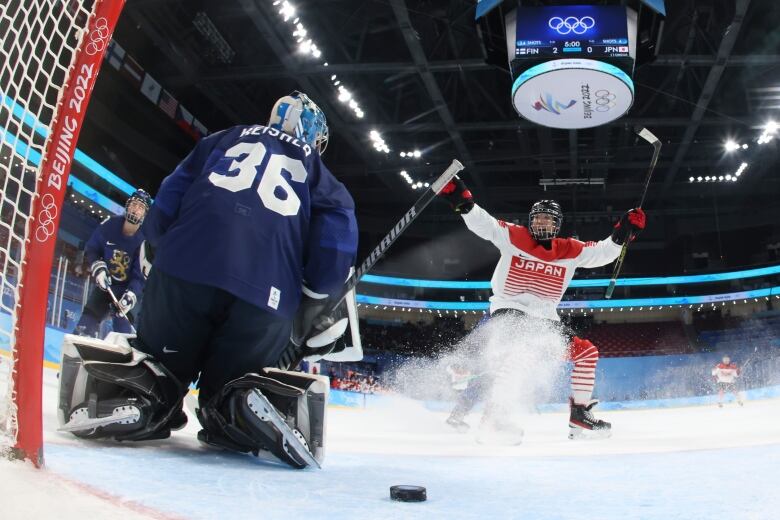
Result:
{"points": [[629, 226], [458, 195]]}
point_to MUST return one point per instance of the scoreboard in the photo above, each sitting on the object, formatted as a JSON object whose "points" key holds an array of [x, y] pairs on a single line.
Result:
{"points": [[571, 65], [583, 31]]}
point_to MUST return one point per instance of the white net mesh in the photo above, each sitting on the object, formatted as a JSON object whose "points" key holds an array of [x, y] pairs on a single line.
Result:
{"points": [[38, 43]]}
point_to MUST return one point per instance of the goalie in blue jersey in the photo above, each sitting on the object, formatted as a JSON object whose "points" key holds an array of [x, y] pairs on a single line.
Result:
{"points": [[252, 236]]}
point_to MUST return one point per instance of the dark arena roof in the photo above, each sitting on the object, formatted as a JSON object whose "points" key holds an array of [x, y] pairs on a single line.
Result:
{"points": [[421, 75]]}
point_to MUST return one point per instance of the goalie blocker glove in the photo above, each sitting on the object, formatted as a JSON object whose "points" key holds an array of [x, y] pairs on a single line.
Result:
{"points": [[629, 226], [458, 195]]}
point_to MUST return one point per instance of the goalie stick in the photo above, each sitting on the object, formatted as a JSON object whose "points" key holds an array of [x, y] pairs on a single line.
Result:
{"points": [[119, 309], [295, 353], [648, 136]]}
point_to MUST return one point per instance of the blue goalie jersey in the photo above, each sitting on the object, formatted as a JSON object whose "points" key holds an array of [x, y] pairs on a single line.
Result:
{"points": [[255, 212]]}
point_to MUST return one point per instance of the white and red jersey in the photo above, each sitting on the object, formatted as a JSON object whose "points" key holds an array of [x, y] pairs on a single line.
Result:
{"points": [[726, 373], [459, 379], [529, 277]]}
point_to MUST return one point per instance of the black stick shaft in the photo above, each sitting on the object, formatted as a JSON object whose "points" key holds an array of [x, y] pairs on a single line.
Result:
{"points": [[401, 226], [294, 353], [645, 134]]}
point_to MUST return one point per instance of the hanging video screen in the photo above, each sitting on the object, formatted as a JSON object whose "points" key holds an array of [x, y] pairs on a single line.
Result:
{"points": [[582, 31]]}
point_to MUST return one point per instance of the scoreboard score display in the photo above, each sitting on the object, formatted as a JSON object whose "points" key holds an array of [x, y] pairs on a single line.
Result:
{"points": [[572, 65]]}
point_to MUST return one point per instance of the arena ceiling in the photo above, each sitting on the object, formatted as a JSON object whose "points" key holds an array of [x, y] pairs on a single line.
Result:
{"points": [[419, 72]]}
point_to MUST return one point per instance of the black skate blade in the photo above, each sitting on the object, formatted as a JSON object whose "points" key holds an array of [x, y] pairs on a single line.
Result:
{"points": [[292, 444], [577, 433]]}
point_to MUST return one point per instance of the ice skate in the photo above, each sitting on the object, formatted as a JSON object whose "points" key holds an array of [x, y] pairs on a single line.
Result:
{"points": [[459, 424], [582, 424]]}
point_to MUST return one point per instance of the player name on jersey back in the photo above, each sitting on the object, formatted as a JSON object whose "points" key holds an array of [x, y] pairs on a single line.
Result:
{"points": [[273, 132]]}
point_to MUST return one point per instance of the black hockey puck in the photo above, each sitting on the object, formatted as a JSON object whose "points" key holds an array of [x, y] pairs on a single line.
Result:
{"points": [[408, 493]]}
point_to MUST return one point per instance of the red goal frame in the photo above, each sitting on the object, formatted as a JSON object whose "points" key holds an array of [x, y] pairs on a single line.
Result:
{"points": [[41, 233]]}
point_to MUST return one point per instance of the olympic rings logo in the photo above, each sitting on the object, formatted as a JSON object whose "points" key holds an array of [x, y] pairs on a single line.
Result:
{"points": [[605, 100], [98, 37], [45, 229], [571, 24]]}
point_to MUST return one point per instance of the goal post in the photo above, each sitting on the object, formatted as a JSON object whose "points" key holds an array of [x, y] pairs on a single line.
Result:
{"points": [[50, 55]]}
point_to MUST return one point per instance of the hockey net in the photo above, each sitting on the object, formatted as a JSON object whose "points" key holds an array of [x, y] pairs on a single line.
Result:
{"points": [[50, 53]]}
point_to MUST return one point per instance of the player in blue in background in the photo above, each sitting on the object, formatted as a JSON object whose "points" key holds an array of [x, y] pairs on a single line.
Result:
{"points": [[112, 253], [249, 231]]}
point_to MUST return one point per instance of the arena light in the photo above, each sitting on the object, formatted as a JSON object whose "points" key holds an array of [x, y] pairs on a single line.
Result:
{"points": [[741, 169], [731, 146], [344, 94], [308, 46], [378, 143], [287, 11], [770, 128]]}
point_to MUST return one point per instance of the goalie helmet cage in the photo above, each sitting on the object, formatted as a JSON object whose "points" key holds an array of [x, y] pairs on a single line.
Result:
{"points": [[50, 54]]}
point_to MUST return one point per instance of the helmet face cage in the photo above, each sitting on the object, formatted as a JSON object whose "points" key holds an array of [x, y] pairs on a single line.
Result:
{"points": [[299, 116], [545, 207], [726, 360], [141, 197]]}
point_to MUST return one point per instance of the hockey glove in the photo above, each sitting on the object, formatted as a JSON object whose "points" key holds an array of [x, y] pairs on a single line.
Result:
{"points": [[629, 226], [314, 328], [99, 272], [458, 195], [127, 302]]}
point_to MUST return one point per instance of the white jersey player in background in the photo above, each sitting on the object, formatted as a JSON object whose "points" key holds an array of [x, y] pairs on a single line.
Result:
{"points": [[725, 375], [532, 275]]}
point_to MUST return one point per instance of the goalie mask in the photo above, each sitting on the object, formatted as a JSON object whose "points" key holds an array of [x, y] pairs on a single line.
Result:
{"points": [[545, 219], [300, 117], [137, 207]]}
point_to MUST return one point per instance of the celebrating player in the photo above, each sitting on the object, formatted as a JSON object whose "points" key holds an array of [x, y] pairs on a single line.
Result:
{"points": [[725, 375], [113, 255], [535, 268], [253, 234]]}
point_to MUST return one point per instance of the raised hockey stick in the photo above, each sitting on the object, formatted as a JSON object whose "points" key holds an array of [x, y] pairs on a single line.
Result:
{"points": [[294, 353], [648, 136], [119, 308]]}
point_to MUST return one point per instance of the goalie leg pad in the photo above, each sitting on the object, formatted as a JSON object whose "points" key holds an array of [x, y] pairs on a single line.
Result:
{"points": [[107, 389], [276, 411]]}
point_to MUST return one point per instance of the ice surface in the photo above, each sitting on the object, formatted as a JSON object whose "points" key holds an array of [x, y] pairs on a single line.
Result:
{"points": [[686, 463]]}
